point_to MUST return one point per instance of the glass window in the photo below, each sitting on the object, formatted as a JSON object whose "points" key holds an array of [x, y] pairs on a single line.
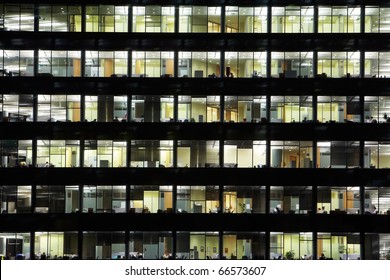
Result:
{"points": [[104, 153], [17, 17], [292, 64], [197, 199], [376, 109], [244, 199], [58, 153], [199, 64], [245, 109], [376, 65], [153, 19], [104, 199], [60, 63], [17, 245], [151, 153], [377, 246], [151, 199], [246, 64], [59, 108], [103, 245], [199, 19], [49, 199], [339, 19], [16, 63], [292, 154], [16, 153], [244, 245], [377, 19], [291, 109], [332, 109], [291, 246], [105, 63], [16, 107], [152, 108], [106, 108], [338, 154], [338, 200], [150, 245], [339, 64], [15, 199], [152, 64], [200, 108], [292, 19], [106, 18], [197, 245], [338, 246], [376, 200], [59, 18], [376, 154], [291, 200], [246, 19]]}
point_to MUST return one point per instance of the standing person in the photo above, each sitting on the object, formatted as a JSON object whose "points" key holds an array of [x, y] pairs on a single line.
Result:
{"points": [[322, 257]]}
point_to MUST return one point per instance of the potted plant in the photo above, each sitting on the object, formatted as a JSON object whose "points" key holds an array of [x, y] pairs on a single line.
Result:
{"points": [[290, 255], [387, 255]]}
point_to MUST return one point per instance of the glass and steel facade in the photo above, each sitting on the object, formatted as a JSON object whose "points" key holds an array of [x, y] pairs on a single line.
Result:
{"points": [[245, 130]]}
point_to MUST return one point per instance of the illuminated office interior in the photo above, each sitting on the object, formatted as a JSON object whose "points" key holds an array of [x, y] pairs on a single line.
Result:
{"points": [[191, 130]]}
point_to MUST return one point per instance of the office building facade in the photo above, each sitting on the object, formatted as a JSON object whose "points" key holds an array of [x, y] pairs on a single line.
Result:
{"points": [[195, 129]]}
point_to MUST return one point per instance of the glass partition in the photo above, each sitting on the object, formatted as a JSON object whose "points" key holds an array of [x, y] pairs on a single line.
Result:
{"points": [[339, 19], [105, 63], [106, 108], [55, 245], [106, 18], [292, 64], [59, 18], [100, 245], [197, 199], [151, 245], [197, 245], [291, 246], [15, 199], [151, 199], [244, 154], [16, 245], [338, 154]]}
